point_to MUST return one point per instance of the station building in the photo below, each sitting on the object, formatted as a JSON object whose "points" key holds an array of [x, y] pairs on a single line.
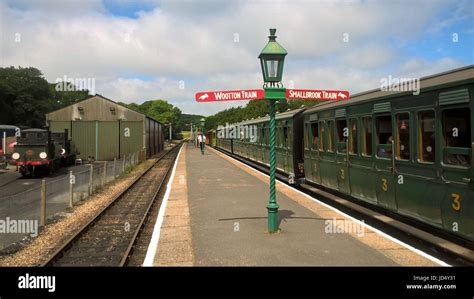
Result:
{"points": [[104, 130]]}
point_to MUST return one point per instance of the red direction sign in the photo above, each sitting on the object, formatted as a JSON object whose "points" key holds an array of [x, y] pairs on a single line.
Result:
{"points": [[321, 95], [230, 95]]}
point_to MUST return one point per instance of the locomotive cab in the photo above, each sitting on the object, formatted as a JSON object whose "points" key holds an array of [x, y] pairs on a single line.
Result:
{"points": [[33, 152]]}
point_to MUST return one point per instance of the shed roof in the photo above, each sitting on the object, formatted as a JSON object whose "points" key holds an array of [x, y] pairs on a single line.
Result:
{"points": [[71, 112]]}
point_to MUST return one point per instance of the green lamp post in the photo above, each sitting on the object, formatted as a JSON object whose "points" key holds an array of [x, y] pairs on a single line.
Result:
{"points": [[203, 122], [272, 60]]}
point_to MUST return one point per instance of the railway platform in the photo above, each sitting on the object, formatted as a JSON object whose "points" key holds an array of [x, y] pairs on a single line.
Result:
{"points": [[214, 214]]}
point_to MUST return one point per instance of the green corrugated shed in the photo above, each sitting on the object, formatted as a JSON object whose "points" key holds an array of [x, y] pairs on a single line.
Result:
{"points": [[59, 126], [131, 137], [105, 130], [109, 140], [84, 137]]}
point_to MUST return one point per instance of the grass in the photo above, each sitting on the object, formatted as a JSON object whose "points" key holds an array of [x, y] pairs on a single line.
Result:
{"points": [[186, 134]]}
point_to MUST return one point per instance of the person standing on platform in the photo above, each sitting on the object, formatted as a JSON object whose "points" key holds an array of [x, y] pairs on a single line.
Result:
{"points": [[199, 141]]}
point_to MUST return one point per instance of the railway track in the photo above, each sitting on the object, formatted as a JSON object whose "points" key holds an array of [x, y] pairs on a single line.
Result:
{"points": [[406, 230], [109, 238]]}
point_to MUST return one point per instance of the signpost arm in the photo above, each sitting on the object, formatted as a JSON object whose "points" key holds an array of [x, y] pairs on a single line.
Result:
{"points": [[272, 204]]}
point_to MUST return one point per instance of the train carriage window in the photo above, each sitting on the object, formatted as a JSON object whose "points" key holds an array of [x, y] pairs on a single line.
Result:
{"points": [[285, 137], [278, 137], [306, 136], [266, 136], [342, 134], [314, 135], [253, 129], [367, 138], [403, 136], [321, 136], [353, 148], [330, 135], [426, 138], [457, 136], [290, 136], [383, 129]]}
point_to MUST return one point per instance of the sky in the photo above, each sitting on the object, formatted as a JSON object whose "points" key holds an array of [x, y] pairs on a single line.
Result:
{"points": [[134, 51]]}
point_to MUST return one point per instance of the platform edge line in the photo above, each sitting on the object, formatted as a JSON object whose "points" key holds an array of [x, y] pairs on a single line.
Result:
{"points": [[155, 238]]}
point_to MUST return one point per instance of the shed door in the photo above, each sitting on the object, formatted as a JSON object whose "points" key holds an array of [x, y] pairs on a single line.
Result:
{"points": [[84, 137], [131, 137], [108, 140]]}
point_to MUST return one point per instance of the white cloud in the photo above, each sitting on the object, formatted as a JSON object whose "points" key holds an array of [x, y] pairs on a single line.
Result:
{"points": [[371, 56], [194, 41], [418, 67]]}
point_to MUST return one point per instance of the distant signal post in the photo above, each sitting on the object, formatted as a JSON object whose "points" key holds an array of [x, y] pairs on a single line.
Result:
{"points": [[272, 59]]}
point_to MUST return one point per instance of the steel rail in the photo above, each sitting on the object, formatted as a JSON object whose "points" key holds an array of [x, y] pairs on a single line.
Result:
{"points": [[70, 241]]}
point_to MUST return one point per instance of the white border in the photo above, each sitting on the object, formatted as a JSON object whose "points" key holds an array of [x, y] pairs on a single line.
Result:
{"points": [[155, 238], [423, 254]]}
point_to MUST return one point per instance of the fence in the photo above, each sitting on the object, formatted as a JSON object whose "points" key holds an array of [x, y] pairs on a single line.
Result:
{"points": [[20, 213]]}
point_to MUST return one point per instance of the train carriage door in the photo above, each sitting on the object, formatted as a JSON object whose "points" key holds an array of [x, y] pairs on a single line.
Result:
{"points": [[307, 151], [265, 149], [342, 131], [384, 161], [315, 140], [360, 160], [327, 165], [278, 147], [255, 142], [289, 147], [286, 145], [456, 154]]}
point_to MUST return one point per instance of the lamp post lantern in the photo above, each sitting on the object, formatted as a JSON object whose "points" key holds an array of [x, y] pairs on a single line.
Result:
{"points": [[203, 122], [272, 59]]}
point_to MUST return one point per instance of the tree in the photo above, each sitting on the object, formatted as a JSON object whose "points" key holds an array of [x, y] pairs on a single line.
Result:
{"points": [[62, 99], [160, 110], [186, 119], [25, 97]]}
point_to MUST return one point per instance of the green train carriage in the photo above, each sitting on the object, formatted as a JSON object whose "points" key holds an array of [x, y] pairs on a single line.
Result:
{"points": [[411, 154], [251, 140], [222, 141], [211, 138]]}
